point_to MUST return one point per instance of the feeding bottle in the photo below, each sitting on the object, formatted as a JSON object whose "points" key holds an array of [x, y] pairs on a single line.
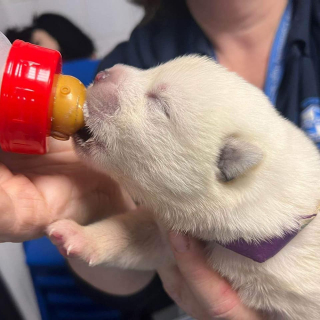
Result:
{"points": [[36, 100]]}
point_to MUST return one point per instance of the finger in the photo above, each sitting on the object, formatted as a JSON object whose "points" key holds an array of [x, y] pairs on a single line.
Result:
{"points": [[210, 289], [5, 173], [23, 211], [176, 287]]}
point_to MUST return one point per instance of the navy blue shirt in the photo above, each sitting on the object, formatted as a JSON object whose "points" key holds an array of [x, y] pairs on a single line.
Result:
{"points": [[298, 98]]}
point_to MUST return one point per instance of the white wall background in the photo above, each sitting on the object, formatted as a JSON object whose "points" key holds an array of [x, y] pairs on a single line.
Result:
{"points": [[17, 278], [107, 22]]}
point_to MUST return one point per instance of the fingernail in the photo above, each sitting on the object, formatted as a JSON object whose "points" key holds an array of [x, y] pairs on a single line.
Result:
{"points": [[180, 242]]}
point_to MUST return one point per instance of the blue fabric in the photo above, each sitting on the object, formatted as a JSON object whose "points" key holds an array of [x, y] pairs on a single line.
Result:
{"points": [[41, 252], [59, 297], [276, 59], [162, 40], [83, 69]]}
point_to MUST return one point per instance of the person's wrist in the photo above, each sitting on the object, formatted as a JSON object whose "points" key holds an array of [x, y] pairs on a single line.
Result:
{"points": [[112, 280]]}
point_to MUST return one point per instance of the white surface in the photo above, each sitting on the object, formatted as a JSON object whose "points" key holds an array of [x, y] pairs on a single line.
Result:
{"points": [[16, 275], [107, 22], [5, 46]]}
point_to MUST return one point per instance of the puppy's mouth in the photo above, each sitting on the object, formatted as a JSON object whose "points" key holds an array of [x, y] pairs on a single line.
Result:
{"points": [[87, 144], [84, 134]]}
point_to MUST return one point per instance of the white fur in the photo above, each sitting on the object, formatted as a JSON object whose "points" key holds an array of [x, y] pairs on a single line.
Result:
{"points": [[171, 166]]}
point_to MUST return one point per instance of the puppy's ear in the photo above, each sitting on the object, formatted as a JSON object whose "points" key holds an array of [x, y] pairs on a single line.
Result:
{"points": [[236, 158]]}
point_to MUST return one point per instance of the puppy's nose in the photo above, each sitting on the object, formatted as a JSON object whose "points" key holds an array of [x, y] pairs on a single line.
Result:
{"points": [[101, 76], [110, 75]]}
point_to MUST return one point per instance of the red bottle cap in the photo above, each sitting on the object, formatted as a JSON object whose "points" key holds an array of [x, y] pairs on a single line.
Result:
{"points": [[26, 97]]}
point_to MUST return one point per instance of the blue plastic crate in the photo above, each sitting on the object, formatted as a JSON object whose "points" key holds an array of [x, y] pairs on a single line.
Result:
{"points": [[58, 295]]}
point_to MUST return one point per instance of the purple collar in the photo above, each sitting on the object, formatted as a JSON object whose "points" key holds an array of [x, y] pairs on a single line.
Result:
{"points": [[266, 249]]}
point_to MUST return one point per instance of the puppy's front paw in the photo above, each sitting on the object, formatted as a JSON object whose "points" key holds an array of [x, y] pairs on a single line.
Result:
{"points": [[73, 241]]}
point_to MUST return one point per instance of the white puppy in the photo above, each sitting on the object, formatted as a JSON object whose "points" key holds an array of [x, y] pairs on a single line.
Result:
{"points": [[208, 155]]}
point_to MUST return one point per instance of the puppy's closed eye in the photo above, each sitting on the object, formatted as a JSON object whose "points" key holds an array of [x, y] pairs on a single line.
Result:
{"points": [[160, 103]]}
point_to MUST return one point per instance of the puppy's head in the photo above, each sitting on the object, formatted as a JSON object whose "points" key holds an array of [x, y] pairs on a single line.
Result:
{"points": [[174, 132]]}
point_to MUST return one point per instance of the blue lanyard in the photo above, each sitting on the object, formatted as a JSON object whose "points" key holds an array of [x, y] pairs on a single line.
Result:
{"points": [[276, 60]]}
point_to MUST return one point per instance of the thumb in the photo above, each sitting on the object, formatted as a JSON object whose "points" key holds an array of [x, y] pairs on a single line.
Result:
{"points": [[211, 290]]}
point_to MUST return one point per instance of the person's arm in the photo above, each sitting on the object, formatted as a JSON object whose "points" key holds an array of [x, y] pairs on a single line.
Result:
{"points": [[136, 294], [111, 280]]}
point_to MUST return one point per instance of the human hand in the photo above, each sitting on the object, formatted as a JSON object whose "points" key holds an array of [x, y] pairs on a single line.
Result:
{"points": [[38, 190], [198, 289]]}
